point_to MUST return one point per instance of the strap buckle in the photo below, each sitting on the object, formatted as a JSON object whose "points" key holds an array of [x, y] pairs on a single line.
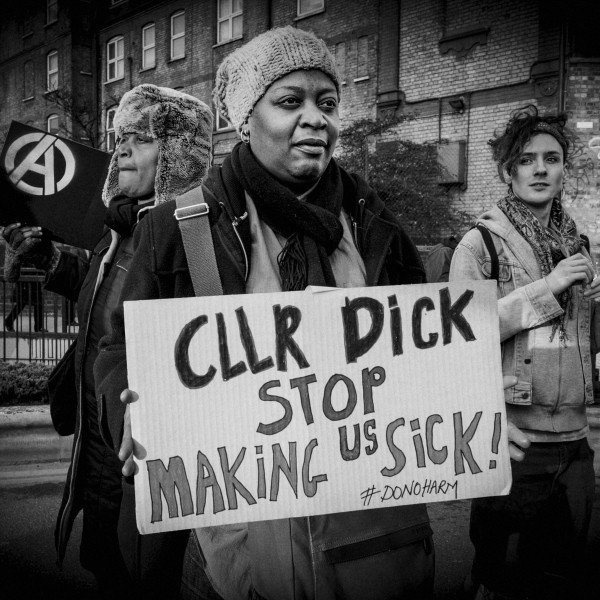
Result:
{"points": [[195, 210]]}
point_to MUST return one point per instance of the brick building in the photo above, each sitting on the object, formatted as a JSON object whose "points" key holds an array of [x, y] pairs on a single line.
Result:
{"points": [[457, 67]]}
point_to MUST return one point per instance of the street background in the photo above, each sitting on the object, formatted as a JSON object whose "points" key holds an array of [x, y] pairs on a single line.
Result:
{"points": [[30, 494]]}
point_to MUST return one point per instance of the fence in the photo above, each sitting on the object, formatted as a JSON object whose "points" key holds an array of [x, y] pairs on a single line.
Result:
{"points": [[38, 326]]}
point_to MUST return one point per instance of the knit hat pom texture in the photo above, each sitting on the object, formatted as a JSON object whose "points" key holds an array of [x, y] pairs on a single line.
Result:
{"points": [[245, 75]]}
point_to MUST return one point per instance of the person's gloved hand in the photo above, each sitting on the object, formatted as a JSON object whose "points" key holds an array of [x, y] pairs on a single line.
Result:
{"points": [[29, 244]]}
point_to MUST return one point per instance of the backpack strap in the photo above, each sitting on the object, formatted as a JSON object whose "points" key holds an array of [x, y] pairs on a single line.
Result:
{"points": [[192, 215], [489, 244]]}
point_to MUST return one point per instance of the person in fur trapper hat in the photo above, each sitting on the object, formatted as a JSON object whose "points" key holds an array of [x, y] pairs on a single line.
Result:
{"points": [[181, 125], [163, 149]]}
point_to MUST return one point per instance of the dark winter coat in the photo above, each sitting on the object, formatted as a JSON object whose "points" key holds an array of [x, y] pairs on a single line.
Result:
{"points": [[159, 269]]}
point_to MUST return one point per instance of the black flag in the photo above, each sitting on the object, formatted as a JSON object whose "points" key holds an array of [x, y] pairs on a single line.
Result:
{"points": [[52, 182]]}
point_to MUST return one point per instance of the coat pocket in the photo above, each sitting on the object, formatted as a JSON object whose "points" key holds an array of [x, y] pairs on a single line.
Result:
{"points": [[62, 393]]}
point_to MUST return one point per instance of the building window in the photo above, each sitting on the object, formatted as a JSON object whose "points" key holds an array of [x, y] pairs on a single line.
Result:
{"points": [[229, 20], [52, 71], [52, 124], [178, 35], [51, 11], [27, 25], [307, 7], [340, 60], [111, 139], [115, 62], [28, 80], [362, 58], [220, 121], [148, 46]]}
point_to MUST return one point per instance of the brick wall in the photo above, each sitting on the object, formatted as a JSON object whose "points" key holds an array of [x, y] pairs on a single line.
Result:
{"points": [[582, 105]]}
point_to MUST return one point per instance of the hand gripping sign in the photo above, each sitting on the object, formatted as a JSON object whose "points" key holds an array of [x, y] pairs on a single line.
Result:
{"points": [[54, 183], [279, 405]]}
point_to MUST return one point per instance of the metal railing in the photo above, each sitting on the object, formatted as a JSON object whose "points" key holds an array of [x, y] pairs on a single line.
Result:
{"points": [[37, 325]]}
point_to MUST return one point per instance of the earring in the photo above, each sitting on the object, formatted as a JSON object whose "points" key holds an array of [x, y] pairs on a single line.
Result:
{"points": [[245, 135]]}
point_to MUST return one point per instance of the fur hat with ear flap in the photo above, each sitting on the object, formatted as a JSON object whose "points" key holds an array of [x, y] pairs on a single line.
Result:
{"points": [[181, 123]]}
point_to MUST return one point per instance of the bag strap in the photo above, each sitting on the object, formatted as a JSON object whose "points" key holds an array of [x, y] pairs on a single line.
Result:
{"points": [[192, 215], [489, 244]]}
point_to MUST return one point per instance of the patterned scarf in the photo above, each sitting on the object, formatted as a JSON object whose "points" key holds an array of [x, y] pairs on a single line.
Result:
{"points": [[550, 245], [311, 227]]}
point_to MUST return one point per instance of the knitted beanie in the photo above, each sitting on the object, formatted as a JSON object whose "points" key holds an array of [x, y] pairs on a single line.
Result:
{"points": [[182, 125], [245, 75]]}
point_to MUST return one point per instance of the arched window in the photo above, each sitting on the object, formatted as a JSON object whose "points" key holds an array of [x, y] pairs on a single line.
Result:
{"points": [[229, 20], [178, 35], [52, 71], [53, 124], [115, 59], [111, 140], [51, 11], [148, 46], [28, 80]]}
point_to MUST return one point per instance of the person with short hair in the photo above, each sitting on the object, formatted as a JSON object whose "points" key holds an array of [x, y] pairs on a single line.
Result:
{"points": [[163, 149], [531, 543]]}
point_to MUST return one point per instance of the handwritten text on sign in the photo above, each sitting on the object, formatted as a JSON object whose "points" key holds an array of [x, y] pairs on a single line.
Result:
{"points": [[277, 405]]}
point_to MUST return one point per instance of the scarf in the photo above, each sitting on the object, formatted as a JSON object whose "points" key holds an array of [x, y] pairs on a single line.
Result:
{"points": [[311, 226], [121, 214], [550, 246]]}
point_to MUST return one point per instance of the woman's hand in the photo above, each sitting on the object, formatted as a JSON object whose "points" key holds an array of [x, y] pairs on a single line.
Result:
{"points": [[129, 449], [592, 292], [575, 269], [517, 440]]}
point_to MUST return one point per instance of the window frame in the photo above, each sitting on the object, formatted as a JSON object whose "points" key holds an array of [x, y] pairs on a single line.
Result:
{"points": [[117, 60], [360, 76], [53, 117], [51, 74], [145, 47], [221, 123], [229, 19], [313, 11], [28, 80], [174, 37], [109, 129], [51, 11]]}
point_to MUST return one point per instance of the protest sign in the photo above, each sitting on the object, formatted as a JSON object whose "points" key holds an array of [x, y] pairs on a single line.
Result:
{"points": [[53, 182], [276, 405]]}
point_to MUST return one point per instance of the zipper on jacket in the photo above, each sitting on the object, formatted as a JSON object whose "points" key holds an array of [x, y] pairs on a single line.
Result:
{"points": [[358, 221], [61, 542], [235, 221]]}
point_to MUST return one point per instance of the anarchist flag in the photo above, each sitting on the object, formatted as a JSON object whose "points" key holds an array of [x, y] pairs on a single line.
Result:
{"points": [[52, 182]]}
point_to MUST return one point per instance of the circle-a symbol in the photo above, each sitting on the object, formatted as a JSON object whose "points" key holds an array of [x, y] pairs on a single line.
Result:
{"points": [[45, 146]]}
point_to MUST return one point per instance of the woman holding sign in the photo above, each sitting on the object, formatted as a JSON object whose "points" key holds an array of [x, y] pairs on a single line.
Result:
{"points": [[284, 215], [531, 543]]}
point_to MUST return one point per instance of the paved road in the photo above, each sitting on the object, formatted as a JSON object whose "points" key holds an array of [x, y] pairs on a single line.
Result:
{"points": [[29, 500]]}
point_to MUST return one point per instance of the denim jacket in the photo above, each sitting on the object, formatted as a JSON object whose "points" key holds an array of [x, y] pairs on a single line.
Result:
{"points": [[554, 379]]}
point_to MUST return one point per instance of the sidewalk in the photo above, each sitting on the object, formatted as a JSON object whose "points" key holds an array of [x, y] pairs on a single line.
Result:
{"points": [[30, 449], [27, 438]]}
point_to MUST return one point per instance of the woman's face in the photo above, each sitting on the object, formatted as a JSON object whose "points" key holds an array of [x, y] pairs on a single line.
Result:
{"points": [[137, 160], [294, 128], [538, 172]]}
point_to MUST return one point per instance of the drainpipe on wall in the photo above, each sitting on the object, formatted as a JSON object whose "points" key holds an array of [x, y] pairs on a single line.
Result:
{"points": [[562, 67]]}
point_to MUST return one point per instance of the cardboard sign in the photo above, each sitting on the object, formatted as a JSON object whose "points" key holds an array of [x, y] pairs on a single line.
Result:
{"points": [[53, 182], [266, 406]]}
